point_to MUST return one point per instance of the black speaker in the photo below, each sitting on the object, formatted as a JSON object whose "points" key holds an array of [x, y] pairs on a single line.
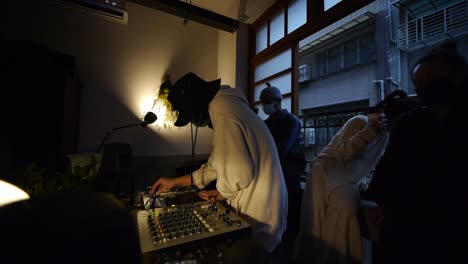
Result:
{"points": [[114, 175]]}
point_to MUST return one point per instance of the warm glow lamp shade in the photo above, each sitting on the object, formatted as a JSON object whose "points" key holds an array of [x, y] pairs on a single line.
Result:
{"points": [[9, 193]]}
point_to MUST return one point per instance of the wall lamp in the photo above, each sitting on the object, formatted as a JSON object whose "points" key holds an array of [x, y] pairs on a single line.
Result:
{"points": [[149, 118]]}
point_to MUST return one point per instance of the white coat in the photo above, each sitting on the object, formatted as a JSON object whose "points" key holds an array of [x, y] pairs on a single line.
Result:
{"points": [[246, 165], [329, 229]]}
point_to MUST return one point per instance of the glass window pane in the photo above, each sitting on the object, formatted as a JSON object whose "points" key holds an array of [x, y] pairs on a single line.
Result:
{"points": [[309, 136], [350, 53], [261, 114], [334, 59], [279, 63], [283, 83], [297, 15], [367, 52], [322, 65], [286, 103], [261, 42], [277, 27], [330, 3]]}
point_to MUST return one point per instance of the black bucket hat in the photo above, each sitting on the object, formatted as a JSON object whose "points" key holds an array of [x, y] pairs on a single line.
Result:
{"points": [[190, 96]]}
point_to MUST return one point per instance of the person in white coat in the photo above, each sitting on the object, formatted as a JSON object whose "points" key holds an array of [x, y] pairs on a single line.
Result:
{"points": [[330, 227], [244, 160]]}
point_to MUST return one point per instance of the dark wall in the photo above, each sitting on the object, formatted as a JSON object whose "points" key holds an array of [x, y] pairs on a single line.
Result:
{"points": [[121, 66], [41, 93]]}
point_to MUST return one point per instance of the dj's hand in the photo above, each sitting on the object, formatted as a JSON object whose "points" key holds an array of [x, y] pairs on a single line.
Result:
{"points": [[163, 184], [210, 195]]}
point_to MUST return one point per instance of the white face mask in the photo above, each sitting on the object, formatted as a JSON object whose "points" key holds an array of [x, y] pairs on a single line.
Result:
{"points": [[269, 109]]}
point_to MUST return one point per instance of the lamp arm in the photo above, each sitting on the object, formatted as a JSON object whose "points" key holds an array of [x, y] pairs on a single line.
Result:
{"points": [[108, 133], [131, 125], [103, 140]]}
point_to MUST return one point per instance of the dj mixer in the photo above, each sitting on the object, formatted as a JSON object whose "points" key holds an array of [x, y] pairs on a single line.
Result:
{"points": [[179, 221]]}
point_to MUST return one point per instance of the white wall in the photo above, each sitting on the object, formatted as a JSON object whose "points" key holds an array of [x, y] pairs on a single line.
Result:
{"points": [[121, 66], [352, 85], [227, 57], [242, 57]]}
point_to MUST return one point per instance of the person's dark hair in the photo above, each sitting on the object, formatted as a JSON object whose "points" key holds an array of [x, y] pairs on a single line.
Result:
{"points": [[398, 107], [447, 55], [449, 86], [395, 104], [389, 100]]}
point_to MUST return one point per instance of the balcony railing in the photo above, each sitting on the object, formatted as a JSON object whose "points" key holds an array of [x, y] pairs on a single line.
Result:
{"points": [[450, 21]]}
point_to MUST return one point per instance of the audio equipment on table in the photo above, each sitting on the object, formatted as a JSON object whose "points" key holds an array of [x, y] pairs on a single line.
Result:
{"points": [[169, 198], [170, 226]]}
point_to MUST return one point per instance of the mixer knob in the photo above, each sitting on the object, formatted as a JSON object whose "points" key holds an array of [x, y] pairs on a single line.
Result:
{"points": [[155, 239]]}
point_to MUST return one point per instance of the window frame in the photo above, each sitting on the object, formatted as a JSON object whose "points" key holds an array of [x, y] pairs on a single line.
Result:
{"points": [[317, 19]]}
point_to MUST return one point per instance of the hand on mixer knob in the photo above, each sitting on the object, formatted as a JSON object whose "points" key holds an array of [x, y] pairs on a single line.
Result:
{"points": [[211, 195]]}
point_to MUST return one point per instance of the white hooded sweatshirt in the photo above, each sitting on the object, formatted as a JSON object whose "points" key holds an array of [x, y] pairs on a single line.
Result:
{"points": [[246, 165]]}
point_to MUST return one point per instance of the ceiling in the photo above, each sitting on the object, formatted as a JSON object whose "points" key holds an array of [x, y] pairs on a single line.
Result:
{"points": [[230, 8]]}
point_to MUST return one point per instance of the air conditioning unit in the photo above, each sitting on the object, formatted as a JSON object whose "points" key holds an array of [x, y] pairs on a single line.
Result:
{"points": [[115, 10], [304, 73]]}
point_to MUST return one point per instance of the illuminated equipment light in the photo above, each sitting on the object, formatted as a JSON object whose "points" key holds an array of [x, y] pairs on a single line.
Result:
{"points": [[10, 193]]}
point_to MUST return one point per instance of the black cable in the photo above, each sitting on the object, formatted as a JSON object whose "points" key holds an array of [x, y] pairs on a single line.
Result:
{"points": [[191, 137], [186, 18], [194, 142], [191, 141]]}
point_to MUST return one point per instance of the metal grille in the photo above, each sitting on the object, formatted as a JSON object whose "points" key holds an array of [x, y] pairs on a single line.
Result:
{"points": [[319, 129], [448, 21]]}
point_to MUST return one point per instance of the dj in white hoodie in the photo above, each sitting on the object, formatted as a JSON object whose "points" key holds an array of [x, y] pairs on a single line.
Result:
{"points": [[244, 160]]}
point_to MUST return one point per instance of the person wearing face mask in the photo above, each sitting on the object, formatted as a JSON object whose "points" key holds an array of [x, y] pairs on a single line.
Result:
{"points": [[285, 129], [423, 192], [244, 161]]}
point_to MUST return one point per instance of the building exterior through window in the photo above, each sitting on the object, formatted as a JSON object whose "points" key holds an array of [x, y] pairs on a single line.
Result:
{"points": [[353, 63]]}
